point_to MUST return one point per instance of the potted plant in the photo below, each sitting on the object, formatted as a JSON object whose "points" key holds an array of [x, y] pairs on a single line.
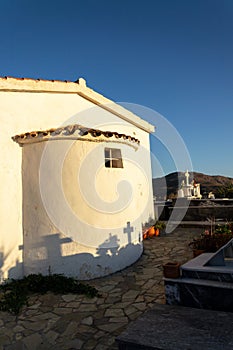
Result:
{"points": [[210, 242], [159, 226], [199, 246], [171, 270]]}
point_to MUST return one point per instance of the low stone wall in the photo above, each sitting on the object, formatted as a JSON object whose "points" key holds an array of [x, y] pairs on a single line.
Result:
{"points": [[200, 210], [199, 213]]}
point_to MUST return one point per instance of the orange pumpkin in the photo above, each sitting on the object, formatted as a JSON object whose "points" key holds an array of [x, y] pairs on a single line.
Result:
{"points": [[151, 232], [145, 235]]}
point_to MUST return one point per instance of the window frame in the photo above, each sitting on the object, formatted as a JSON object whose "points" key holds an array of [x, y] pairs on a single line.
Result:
{"points": [[113, 158]]}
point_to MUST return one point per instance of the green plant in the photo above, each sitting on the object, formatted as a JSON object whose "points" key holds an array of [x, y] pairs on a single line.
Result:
{"points": [[13, 297], [159, 225], [223, 229], [14, 293]]}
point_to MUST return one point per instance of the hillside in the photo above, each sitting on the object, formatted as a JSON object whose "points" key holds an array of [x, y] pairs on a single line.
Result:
{"points": [[209, 183]]}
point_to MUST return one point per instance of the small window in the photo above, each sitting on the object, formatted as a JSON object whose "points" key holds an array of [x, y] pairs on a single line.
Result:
{"points": [[113, 158]]}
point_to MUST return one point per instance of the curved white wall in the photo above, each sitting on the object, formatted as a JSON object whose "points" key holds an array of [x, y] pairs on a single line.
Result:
{"points": [[81, 218]]}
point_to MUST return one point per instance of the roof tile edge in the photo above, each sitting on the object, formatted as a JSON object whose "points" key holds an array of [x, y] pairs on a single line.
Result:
{"points": [[70, 130]]}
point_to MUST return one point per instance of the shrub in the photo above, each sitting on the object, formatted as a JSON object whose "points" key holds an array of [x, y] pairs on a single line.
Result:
{"points": [[14, 293]]}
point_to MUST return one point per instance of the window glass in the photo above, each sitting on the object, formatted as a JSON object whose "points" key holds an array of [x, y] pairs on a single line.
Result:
{"points": [[113, 158]]}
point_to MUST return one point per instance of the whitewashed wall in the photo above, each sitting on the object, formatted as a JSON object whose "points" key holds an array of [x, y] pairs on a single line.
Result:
{"points": [[28, 111]]}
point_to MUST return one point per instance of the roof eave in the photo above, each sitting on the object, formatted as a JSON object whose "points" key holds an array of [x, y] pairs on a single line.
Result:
{"points": [[80, 88]]}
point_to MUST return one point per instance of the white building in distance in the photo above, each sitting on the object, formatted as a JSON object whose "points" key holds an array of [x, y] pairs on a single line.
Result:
{"points": [[189, 190], [76, 182]]}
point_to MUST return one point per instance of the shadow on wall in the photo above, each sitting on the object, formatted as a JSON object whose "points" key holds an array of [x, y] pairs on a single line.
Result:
{"points": [[1, 265], [109, 257], [17, 270], [48, 251]]}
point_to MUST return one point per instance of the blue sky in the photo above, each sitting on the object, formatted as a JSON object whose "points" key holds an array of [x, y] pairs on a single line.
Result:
{"points": [[172, 56]]}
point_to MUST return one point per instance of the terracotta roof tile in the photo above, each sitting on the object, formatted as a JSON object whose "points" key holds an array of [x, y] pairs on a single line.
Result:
{"points": [[74, 130]]}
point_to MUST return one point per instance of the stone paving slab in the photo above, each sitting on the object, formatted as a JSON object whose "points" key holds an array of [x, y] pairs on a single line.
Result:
{"points": [[60, 322], [167, 327]]}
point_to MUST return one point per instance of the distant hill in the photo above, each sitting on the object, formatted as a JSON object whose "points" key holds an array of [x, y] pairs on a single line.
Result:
{"points": [[168, 185]]}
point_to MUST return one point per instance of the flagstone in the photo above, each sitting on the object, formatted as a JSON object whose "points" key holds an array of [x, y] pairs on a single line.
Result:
{"points": [[10, 325], [18, 336], [34, 326], [115, 291], [108, 340], [104, 306], [74, 344], [51, 336], [70, 329], [100, 301], [100, 321], [35, 306], [44, 316], [131, 294], [91, 344], [139, 299], [113, 299], [99, 334], [27, 332], [101, 347], [121, 305], [149, 284], [83, 328], [77, 322], [134, 315], [148, 298], [110, 327], [68, 297], [4, 340], [88, 321], [140, 306], [106, 288], [62, 310], [7, 332], [114, 312], [140, 282], [87, 307], [31, 312], [33, 341], [18, 345], [123, 319], [98, 314], [73, 304], [45, 309], [90, 300], [7, 317], [130, 310], [18, 328]]}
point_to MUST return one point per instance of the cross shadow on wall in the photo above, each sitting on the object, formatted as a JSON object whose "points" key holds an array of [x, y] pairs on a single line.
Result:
{"points": [[48, 255]]}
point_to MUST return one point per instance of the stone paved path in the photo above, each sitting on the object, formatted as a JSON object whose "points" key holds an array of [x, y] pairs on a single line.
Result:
{"points": [[75, 322]]}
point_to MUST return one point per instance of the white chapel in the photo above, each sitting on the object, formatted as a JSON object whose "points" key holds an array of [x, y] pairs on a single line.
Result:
{"points": [[76, 181]]}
